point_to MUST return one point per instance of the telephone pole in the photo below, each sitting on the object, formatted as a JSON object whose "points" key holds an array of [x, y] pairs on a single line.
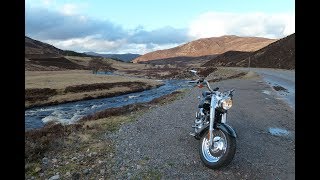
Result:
{"points": [[249, 63]]}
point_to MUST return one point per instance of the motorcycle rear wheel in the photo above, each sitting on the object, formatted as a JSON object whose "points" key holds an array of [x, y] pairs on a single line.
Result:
{"points": [[222, 151]]}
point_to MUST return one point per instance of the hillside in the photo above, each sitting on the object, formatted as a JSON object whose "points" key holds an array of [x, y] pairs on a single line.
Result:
{"points": [[38, 49], [41, 56], [279, 54], [229, 58], [122, 57], [208, 46]]}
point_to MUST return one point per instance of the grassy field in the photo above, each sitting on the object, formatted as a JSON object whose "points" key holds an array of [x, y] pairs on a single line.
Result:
{"points": [[54, 87]]}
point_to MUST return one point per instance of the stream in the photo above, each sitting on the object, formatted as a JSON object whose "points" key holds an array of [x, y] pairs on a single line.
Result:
{"points": [[68, 113]]}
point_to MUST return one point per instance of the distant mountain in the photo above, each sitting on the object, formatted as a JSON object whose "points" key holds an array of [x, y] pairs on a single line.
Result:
{"points": [[122, 57], [207, 47], [279, 54]]}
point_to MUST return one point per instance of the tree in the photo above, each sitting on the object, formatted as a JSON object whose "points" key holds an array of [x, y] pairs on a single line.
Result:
{"points": [[94, 65], [106, 67]]}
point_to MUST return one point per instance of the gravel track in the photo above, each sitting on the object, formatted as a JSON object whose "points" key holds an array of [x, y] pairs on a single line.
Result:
{"points": [[158, 143]]}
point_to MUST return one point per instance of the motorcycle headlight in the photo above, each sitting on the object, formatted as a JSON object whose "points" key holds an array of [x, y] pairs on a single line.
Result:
{"points": [[226, 103]]}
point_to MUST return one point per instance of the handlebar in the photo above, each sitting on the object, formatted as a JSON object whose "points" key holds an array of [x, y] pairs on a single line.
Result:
{"points": [[203, 82]]}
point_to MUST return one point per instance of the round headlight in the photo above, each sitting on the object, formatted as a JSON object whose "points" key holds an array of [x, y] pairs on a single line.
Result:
{"points": [[226, 103]]}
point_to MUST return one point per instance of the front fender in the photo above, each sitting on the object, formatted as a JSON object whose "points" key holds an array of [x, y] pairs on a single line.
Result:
{"points": [[228, 129], [224, 127]]}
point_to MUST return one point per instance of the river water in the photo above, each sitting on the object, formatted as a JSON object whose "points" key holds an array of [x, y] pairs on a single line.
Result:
{"points": [[71, 112]]}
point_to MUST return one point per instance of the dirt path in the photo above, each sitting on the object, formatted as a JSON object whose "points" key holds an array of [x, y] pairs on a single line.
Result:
{"points": [[158, 144]]}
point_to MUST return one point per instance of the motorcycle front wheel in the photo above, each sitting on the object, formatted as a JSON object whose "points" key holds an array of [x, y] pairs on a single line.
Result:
{"points": [[221, 152]]}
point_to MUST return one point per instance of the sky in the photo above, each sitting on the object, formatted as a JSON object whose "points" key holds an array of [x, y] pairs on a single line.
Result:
{"points": [[142, 26]]}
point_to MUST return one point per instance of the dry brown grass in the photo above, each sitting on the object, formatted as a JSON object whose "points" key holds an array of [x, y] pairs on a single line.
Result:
{"points": [[77, 85], [62, 79]]}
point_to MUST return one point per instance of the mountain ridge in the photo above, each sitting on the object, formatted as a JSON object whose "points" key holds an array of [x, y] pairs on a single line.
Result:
{"points": [[279, 54], [208, 46], [126, 57]]}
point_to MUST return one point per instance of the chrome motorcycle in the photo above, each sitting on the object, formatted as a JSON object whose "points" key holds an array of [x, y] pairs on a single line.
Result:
{"points": [[217, 145]]}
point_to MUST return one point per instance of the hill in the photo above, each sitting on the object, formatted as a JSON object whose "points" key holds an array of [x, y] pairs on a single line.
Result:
{"points": [[208, 46], [279, 54], [40, 56], [38, 49], [122, 57]]}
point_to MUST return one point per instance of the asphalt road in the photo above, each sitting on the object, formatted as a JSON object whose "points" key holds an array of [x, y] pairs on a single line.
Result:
{"points": [[159, 144], [279, 77]]}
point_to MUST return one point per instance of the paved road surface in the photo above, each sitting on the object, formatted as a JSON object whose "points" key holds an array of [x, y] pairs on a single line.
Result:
{"points": [[279, 77]]}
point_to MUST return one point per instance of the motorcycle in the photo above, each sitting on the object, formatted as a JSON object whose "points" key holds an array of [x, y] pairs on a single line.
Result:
{"points": [[217, 145]]}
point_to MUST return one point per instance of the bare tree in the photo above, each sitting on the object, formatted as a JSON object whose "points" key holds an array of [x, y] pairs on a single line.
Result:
{"points": [[94, 65]]}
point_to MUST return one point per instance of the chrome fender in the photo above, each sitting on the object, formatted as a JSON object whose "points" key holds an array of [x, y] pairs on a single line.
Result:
{"points": [[223, 127]]}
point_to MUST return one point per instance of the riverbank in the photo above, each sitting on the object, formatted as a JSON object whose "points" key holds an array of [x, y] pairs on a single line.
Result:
{"points": [[55, 87], [74, 150]]}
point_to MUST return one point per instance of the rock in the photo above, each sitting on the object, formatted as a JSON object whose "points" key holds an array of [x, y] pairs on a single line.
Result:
{"points": [[122, 168], [138, 167], [55, 177], [74, 159], [45, 160], [68, 174], [102, 171], [54, 160], [100, 162], [86, 171], [37, 169], [75, 175]]}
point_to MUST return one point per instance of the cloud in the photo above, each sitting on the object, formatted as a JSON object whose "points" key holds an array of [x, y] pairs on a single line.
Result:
{"points": [[67, 29], [162, 35], [213, 24], [88, 43], [69, 9], [45, 24]]}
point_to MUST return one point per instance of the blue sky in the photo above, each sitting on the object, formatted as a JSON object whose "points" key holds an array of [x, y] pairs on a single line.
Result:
{"points": [[142, 26]]}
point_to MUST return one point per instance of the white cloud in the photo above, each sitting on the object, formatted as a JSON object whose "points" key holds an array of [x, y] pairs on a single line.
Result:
{"points": [[69, 9], [96, 44], [46, 2], [144, 48], [214, 24], [89, 43]]}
